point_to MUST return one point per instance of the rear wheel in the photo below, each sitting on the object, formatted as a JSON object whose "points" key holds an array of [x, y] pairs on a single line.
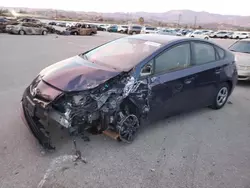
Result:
{"points": [[206, 38], [75, 33], [221, 96], [21, 32], [133, 33]]}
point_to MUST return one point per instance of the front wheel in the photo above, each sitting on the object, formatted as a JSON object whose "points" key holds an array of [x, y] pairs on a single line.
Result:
{"points": [[221, 96], [44, 33], [206, 38]]}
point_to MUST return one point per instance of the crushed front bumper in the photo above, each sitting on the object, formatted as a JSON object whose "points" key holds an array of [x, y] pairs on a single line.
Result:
{"points": [[33, 114], [36, 127]]}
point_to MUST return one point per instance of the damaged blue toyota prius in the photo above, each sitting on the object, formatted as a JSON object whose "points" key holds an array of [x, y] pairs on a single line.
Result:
{"points": [[113, 87]]}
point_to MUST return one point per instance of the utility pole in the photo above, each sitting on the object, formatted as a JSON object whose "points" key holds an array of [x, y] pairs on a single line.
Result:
{"points": [[195, 20], [179, 19]]}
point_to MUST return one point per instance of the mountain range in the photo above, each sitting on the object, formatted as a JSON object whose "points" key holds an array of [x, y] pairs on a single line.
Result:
{"points": [[186, 17]]}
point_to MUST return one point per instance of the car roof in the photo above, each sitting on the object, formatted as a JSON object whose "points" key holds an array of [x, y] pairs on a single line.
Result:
{"points": [[162, 39]]}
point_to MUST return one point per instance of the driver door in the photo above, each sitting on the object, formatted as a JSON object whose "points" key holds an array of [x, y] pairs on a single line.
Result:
{"points": [[172, 85]]}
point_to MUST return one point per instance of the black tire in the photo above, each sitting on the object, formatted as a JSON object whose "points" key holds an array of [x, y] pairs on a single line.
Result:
{"points": [[21, 32], [237, 37], [224, 87], [206, 38], [75, 33], [44, 32]]}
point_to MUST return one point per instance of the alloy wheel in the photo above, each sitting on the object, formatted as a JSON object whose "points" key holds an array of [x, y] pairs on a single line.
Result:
{"points": [[222, 96]]}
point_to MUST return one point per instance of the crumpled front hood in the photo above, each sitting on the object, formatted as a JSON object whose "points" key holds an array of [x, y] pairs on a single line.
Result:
{"points": [[76, 74], [242, 58]]}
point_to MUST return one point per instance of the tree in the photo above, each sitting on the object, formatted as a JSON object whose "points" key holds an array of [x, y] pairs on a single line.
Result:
{"points": [[199, 27], [141, 20]]}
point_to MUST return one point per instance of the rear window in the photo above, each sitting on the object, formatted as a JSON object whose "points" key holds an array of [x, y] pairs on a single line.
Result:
{"points": [[122, 54], [150, 28], [136, 27]]}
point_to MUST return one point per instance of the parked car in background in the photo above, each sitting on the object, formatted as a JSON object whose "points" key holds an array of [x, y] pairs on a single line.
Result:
{"points": [[52, 23], [240, 35], [61, 24], [199, 34], [3, 20], [106, 26], [230, 34], [101, 27], [148, 30], [113, 28], [30, 20], [110, 89], [212, 34], [166, 32], [27, 28], [134, 29], [186, 31], [122, 29], [241, 50], [83, 29], [221, 34]]}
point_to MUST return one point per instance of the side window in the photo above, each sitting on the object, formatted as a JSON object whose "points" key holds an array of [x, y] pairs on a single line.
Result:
{"points": [[220, 52], [203, 53], [173, 59]]}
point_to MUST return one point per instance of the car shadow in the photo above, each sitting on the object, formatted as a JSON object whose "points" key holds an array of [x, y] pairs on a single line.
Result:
{"points": [[243, 84]]}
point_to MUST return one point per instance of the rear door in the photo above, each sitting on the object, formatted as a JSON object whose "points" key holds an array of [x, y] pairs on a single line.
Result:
{"points": [[37, 29], [172, 84], [27, 27], [208, 65]]}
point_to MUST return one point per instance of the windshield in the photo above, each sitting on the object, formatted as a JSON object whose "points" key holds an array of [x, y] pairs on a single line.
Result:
{"points": [[241, 46], [122, 54]]}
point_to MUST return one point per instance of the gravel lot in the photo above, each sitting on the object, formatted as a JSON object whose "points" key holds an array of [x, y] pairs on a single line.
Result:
{"points": [[200, 149]]}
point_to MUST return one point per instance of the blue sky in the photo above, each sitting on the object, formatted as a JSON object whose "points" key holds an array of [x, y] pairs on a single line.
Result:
{"points": [[239, 7]]}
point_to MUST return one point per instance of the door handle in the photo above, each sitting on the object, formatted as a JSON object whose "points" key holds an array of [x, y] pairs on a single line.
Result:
{"points": [[217, 71], [189, 80]]}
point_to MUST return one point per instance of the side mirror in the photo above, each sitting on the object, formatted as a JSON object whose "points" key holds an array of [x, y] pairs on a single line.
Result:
{"points": [[146, 70]]}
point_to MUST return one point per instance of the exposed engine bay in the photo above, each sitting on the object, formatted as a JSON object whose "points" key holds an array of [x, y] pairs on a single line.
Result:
{"points": [[116, 105]]}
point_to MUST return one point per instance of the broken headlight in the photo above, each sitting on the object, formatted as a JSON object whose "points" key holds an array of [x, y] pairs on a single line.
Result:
{"points": [[75, 102]]}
